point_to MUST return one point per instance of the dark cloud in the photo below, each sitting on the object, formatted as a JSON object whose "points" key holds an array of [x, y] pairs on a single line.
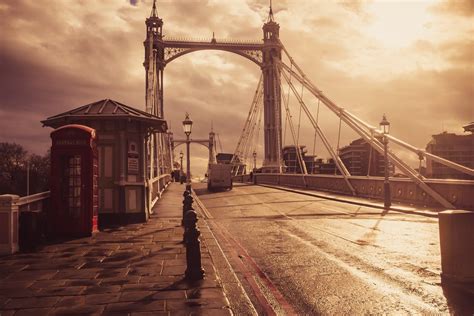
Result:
{"points": [[71, 53]]}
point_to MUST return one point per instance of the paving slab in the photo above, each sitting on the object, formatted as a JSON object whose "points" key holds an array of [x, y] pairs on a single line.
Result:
{"points": [[136, 269]]}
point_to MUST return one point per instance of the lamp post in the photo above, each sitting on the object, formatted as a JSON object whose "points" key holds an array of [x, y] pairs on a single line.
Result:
{"points": [[181, 167], [187, 126], [254, 154], [385, 128]]}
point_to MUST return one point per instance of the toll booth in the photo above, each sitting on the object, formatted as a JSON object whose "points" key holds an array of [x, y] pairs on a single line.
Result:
{"points": [[74, 190], [122, 138]]}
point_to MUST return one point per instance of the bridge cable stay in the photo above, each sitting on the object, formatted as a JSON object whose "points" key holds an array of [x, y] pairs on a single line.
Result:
{"points": [[259, 127], [370, 161], [292, 129], [284, 130], [339, 164], [293, 134], [286, 120], [362, 128], [277, 82], [243, 145], [171, 153], [315, 133], [299, 116], [255, 126], [241, 149], [244, 135], [219, 141], [338, 142], [374, 142], [347, 115]]}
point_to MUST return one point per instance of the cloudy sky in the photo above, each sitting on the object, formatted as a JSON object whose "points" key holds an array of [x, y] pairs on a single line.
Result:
{"points": [[412, 60]]}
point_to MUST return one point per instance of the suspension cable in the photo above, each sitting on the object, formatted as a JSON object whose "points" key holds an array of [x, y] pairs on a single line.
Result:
{"points": [[337, 160], [219, 141], [299, 124], [259, 127], [284, 128], [248, 126], [299, 116], [355, 120], [358, 125], [315, 132], [370, 161], [295, 140], [338, 141]]}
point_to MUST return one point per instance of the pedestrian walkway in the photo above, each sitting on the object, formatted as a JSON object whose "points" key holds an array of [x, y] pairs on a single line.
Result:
{"points": [[130, 270]]}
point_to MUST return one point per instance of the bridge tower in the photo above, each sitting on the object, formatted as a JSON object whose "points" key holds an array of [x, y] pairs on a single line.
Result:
{"points": [[271, 52], [267, 55], [154, 63], [212, 147]]}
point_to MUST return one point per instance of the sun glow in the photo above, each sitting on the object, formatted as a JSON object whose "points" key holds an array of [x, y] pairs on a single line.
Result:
{"points": [[398, 24]]}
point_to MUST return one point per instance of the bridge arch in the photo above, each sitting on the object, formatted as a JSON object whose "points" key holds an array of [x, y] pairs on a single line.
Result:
{"points": [[253, 56], [160, 51]]}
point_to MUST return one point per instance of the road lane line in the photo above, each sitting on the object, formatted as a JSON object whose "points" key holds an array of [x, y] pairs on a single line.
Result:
{"points": [[261, 274], [201, 206], [248, 276]]}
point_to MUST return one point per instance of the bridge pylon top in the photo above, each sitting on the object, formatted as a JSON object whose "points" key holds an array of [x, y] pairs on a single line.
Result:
{"points": [[270, 14]]}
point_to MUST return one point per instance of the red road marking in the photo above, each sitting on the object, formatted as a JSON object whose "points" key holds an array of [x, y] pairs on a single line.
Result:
{"points": [[239, 260]]}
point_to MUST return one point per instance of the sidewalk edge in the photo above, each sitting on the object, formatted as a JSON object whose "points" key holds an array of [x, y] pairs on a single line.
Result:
{"points": [[241, 304]]}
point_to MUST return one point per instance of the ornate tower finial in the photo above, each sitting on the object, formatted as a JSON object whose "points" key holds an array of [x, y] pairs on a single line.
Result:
{"points": [[154, 13], [270, 13]]}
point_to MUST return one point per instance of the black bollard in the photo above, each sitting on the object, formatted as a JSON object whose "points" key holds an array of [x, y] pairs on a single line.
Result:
{"points": [[187, 204], [194, 270]]}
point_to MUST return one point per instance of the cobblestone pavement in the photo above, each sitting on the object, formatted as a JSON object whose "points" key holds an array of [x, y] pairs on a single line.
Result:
{"points": [[130, 270]]}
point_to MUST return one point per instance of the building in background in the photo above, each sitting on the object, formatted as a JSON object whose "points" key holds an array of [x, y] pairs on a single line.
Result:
{"points": [[326, 167], [292, 164], [457, 148], [362, 160]]}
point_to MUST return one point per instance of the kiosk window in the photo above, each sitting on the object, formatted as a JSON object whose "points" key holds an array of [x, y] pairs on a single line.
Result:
{"points": [[73, 173]]}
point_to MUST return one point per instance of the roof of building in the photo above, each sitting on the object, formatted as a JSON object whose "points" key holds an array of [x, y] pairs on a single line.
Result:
{"points": [[105, 109]]}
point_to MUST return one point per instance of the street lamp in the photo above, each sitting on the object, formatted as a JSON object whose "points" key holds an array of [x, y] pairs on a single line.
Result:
{"points": [[187, 126], [181, 167], [254, 160], [385, 128]]}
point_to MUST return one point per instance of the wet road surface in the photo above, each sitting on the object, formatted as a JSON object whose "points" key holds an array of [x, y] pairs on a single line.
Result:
{"points": [[297, 254]]}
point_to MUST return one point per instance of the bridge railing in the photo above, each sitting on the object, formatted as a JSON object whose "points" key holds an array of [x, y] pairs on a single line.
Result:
{"points": [[10, 208], [458, 192], [242, 178], [35, 202], [158, 185]]}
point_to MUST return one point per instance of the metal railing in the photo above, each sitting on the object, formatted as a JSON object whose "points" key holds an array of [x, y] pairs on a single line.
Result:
{"points": [[34, 202], [158, 185], [209, 40], [458, 192]]}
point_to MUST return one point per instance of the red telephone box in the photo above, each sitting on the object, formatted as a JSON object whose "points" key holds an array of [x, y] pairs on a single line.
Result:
{"points": [[74, 190]]}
